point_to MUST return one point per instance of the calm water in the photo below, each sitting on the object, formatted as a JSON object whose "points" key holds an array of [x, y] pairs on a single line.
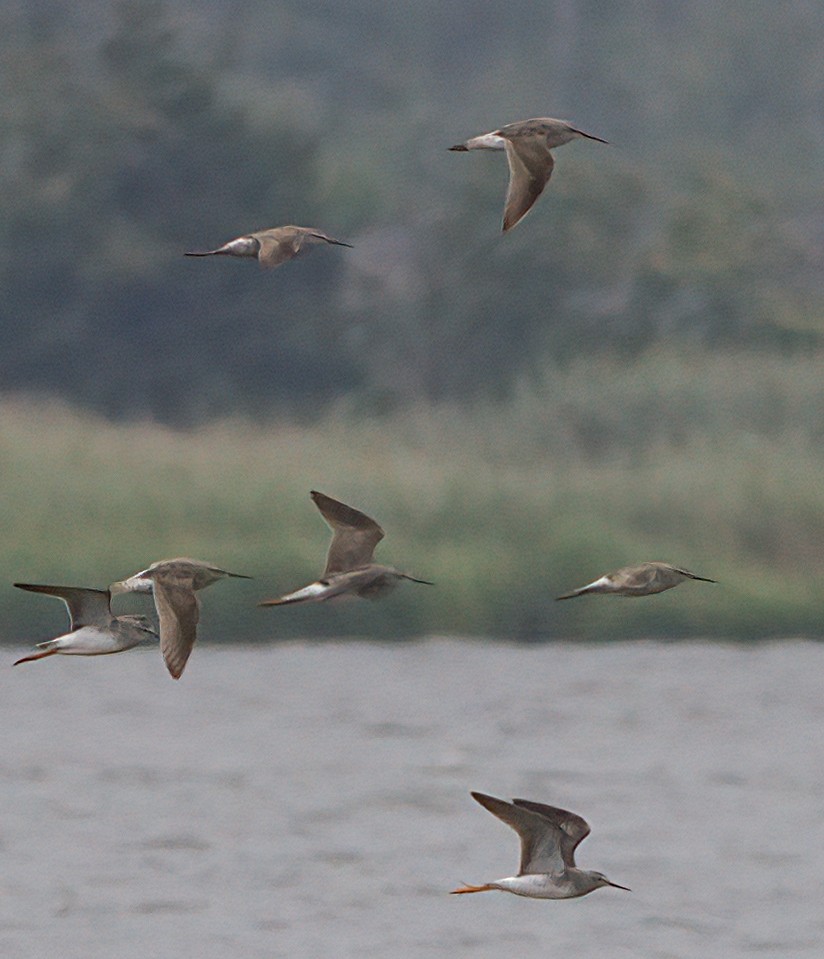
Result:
{"points": [[313, 801]]}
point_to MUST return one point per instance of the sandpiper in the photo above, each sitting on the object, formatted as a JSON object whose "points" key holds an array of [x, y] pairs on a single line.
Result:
{"points": [[93, 630], [527, 144], [349, 567], [642, 580], [273, 247], [549, 837], [173, 583]]}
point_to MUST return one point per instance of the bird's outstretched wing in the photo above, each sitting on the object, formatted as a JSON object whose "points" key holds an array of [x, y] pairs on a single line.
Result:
{"points": [[354, 535]]}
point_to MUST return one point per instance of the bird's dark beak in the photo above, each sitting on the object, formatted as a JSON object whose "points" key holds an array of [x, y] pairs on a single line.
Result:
{"points": [[616, 886], [589, 136]]}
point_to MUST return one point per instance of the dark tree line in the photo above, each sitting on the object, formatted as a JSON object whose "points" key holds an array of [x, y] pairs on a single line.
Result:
{"points": [[129, 138]]}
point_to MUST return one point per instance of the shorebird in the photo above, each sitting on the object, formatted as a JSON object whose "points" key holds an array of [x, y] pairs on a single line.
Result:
{"points": [[642, 580], [549, 837], [93, 630], [349, 567], [273, 247], [527, 144], [173, 583]]}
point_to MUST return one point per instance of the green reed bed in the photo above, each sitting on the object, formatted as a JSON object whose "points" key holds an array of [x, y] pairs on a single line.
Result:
{"points": [[713, 462]]}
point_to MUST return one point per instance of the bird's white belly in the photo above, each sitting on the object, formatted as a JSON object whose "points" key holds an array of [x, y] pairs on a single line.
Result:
{"points": [[537, 886], [88, 641]]}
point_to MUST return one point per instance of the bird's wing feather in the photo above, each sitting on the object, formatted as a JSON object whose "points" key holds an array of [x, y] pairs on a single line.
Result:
{"points": [[573, 828], [541, 839], [277, 246], [178, 610], [354, 535], [530, 167], [643, 576], [87, 607]]}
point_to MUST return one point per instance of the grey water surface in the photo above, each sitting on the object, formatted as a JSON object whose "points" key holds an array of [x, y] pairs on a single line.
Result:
{"points": [[308, 800]]}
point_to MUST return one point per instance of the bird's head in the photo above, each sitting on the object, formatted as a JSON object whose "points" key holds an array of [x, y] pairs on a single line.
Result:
{"points": [[601, 880]]}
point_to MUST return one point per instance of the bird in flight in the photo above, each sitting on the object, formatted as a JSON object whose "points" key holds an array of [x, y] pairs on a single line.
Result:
{"points": [[173, 584], [273, 247], [549, 837], [349, 568], [528, 144], [93, 631], [642, 580]]}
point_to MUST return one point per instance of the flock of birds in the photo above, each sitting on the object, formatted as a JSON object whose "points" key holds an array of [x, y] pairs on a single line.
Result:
{"points": [[549, 836]]}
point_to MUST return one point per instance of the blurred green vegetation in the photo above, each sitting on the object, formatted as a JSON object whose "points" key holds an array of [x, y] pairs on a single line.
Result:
{"points": [[711, 462]]}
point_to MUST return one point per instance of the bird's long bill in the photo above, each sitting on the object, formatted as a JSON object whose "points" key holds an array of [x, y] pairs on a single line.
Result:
{"points": [[589, 136], [616, 886]]}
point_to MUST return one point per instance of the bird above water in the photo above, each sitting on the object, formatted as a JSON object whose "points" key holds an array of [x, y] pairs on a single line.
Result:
{"points": [[273, 247], [349, 567], [173, 584], [642, 580], [93, 630], [527, 144], [549, 838]]}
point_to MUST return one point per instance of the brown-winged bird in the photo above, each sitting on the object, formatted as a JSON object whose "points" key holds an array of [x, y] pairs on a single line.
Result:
{"points": [[173, 584], [642, 580], [273, 247], [349, 567], [527, 144]]}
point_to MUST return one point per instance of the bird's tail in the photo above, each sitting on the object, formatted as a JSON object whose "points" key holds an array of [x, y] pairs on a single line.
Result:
{"points": [[460, 148]]}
